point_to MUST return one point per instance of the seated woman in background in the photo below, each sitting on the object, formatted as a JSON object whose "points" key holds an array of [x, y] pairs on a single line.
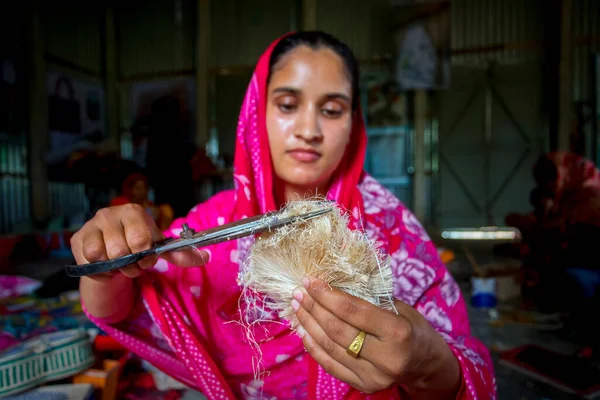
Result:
{"points": [[565, 222], [135, 190], [300, 133], [561, 236]]}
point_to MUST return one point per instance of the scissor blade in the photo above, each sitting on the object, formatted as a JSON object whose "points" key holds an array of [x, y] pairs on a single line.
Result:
{"points": [[239, 229], [235, 230], [275, 222]]}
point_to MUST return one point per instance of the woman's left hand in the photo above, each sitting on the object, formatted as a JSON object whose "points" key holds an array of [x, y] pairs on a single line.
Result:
{"points": [[401, 350]]}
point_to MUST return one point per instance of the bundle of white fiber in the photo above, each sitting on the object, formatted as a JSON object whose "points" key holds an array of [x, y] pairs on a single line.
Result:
{"points": [[323, 247]]}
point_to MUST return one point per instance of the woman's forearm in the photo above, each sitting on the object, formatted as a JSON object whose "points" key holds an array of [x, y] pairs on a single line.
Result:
{"points": [[112, 300]]}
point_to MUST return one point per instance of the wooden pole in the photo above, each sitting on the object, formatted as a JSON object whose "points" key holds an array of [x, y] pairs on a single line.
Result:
{"points": [[110, 74], [309, 15], [565, 76], [202, 72], [38, 113], [419, 190]]}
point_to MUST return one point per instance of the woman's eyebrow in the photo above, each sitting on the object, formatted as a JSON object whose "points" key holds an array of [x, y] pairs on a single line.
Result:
{"points": [[334, 96], [329, 96], [286, 89]]}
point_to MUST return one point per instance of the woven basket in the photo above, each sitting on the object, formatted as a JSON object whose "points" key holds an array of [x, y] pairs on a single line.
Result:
{"points": [[44, 358]]}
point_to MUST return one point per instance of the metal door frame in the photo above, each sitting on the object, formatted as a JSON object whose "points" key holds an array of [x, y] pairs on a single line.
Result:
{"points": [[491, 93]]}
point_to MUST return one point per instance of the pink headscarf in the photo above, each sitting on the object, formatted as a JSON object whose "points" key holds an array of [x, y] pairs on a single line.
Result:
{"points": [[577, 190], [253, 167], [574, 172]]}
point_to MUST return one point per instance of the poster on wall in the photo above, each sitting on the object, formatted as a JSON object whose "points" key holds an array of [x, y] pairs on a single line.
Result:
{"points": [[11, 116], [76, 115], [422, 40], [148, 98]]}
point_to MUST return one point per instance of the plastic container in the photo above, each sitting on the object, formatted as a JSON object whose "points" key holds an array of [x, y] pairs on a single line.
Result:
{"points": [[483, 292]]}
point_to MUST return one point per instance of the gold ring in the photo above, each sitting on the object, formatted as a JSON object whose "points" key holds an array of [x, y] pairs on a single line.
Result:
{"points": [[357, 344]]}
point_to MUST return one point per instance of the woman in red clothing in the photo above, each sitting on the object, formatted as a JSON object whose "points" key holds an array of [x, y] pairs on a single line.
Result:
{"points": [[135, 190], [300, 132]]}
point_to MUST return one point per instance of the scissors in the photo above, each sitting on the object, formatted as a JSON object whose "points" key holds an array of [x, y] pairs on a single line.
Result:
{"points": [[188, 237]]}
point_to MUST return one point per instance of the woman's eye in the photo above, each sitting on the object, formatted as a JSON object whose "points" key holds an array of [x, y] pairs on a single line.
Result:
{"points": [[332, 109], [286, 108], [331, 113]]}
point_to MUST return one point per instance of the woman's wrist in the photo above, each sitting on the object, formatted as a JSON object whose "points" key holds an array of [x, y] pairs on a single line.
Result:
{"points": [[441, 378], [110, 300]]}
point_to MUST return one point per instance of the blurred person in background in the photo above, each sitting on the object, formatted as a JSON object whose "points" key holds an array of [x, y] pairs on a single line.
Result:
{"points": [[135, 190], [560, 239], [168, 157]]}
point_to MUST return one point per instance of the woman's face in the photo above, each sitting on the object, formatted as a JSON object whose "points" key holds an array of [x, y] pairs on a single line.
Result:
{"points": [[139, 192], [309, 117]]}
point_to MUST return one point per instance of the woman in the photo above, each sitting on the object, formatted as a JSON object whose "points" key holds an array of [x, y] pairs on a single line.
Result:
{"points": [[565, 222], [135, 190], [300, 133], [561, 244]]}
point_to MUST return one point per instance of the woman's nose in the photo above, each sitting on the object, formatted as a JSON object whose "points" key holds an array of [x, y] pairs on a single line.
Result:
{"points": [[308, 127]]}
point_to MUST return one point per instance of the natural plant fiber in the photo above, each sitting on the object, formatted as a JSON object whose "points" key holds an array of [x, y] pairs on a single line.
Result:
{"points": [[323, 247]]}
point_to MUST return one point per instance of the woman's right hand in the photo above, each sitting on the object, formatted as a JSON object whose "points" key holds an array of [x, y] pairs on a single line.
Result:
{"points": [[122, 230]]}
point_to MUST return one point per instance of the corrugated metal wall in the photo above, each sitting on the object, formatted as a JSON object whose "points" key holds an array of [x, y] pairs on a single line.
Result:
{"points": [[14, 184], [485, 23], [586, 32], [14, 179], [155, 36], [368, 27], [68, 200], [365, 26], [161, 39], [242, 29], [73, 32], [12, 23]]}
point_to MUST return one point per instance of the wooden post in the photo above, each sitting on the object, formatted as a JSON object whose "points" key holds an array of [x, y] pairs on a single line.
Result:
{"points": [[550, 71], [595, 67], [565, 76], [110, 74], [419, 190], [309, 15], [38, 112], [202, 72]]}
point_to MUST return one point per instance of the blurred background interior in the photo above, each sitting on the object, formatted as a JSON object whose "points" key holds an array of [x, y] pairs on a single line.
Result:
{"points": [[106, 102]]}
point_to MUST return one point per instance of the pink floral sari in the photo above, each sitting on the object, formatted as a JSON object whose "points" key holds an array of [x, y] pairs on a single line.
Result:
{"points": [[185, 322]]}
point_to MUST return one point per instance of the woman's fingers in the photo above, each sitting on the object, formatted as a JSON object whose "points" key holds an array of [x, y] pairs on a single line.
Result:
{"points": [[357, 372], [329, 363], [332, 333], [373, 354], [328, 337], [90, 248], [191, 257], [140, 235], [112, 226], [94, 250], [354, 311], [341, 317]]}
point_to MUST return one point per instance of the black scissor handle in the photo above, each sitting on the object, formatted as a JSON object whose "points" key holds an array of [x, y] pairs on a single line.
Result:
{"points": [[100, 267]]}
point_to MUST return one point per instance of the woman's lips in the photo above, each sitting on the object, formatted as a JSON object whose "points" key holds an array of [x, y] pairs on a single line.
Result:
{"points": [[305, 156]]}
